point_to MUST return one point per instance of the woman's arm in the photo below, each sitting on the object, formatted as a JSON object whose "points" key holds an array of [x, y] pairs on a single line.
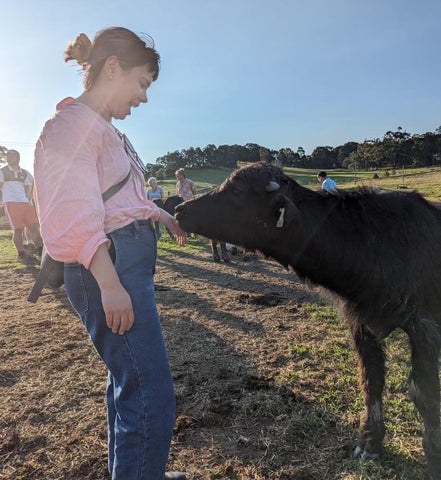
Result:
{"points": [[116, 301], [68, 191], [170, 222]]}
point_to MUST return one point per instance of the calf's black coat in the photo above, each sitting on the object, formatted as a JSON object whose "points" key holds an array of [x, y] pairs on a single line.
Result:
{"points": [[379, 251]]}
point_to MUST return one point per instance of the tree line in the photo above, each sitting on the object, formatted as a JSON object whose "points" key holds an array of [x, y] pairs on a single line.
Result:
{"points": [[3, 151], [395, 149]]}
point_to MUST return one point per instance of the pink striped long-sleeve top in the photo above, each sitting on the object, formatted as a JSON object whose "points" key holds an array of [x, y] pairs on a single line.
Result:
{"points": [[79, 156]]}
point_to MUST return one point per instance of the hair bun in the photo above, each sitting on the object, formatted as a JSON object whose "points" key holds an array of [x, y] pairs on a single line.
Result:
{"points": [[79, 50]]}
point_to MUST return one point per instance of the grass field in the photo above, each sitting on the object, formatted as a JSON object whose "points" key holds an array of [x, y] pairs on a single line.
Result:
{"points": [[205, 178], [426, 180]]}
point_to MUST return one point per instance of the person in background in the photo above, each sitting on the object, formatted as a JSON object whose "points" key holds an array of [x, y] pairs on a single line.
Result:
{"points": [[109, 249], [185, 187], [155, 193], [328, 185], [16, 185]]}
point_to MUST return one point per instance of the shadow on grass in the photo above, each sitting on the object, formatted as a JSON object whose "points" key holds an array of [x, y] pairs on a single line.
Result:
{"points": [[238, 417]]}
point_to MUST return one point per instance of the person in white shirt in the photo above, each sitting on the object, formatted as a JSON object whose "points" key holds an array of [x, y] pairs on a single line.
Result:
{"points": [[16, 193]]}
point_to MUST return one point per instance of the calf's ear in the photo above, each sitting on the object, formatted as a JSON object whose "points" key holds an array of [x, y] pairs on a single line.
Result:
{"points": [[284, 211]]}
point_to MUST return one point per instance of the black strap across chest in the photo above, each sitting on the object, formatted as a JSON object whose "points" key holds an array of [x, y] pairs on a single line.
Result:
{"points": [[110, 192]]}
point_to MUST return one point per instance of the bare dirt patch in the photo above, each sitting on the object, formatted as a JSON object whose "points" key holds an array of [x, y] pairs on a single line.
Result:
{"points": [[250, 368]]}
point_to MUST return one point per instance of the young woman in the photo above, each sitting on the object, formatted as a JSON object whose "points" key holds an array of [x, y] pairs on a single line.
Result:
{"points": [[109, 248]]}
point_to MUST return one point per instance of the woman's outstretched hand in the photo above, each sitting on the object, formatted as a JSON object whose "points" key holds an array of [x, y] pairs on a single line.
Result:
{"points": [[170, 222]]}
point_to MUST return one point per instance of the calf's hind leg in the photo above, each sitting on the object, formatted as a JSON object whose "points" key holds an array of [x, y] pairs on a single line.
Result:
{"points": [[425, 340], [214, 251], [371, 361], [224, 252]]}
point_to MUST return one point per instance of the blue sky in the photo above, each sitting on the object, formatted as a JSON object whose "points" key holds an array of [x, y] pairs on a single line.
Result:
{"points": [[278, 73]]}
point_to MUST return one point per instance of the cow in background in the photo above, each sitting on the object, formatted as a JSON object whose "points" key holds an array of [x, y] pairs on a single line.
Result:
{"points": [[379, 251], [169, 205]]}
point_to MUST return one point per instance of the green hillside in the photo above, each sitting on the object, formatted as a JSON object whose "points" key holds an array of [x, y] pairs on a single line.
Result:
{"points": [[426, 180]]}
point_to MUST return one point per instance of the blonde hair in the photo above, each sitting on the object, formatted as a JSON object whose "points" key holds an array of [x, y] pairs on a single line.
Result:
{"points": [[130, 49]]}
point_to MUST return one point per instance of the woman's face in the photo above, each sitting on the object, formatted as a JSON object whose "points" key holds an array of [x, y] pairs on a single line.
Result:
{"points": [[128, 89]]}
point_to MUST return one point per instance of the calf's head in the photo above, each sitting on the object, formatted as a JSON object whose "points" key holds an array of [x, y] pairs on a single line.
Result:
{"points": [[251, 208]]}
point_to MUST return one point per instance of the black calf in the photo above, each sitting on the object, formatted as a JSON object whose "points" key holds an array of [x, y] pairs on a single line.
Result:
{"points": [[379, 251]]}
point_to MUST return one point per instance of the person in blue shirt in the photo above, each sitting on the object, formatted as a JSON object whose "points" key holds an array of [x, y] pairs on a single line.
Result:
{"points": [[328, 185], [155, 193]]}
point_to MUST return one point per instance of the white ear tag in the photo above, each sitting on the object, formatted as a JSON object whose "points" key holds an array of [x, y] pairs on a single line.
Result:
{"points": [[280, 221]]}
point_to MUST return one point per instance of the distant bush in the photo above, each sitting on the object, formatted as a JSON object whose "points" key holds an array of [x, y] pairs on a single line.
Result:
{"points": [[160, 174], [156, 171]]}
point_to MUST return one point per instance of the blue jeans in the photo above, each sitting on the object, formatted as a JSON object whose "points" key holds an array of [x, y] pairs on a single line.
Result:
{"points": [[140, 395]]}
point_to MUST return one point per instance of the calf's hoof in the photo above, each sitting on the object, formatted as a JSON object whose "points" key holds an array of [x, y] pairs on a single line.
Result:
{"points": [[359, 452], [432, 449], [175, 476], [434, 471]]}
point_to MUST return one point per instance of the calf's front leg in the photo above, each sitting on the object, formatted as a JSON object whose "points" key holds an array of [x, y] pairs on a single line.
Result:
{"points": [[371, 362]]}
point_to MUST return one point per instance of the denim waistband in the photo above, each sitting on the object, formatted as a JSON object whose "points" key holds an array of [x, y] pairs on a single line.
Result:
{"points": [[140, 223], [144, 222], [135, 225]]}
